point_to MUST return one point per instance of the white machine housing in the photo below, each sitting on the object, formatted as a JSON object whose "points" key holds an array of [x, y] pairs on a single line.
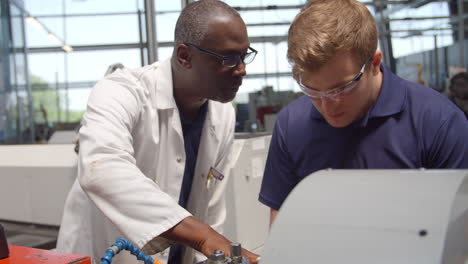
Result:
{"points": [[373, 216], [35, 181], [246, 218]]}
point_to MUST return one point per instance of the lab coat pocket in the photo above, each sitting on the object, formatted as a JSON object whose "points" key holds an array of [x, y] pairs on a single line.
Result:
{"points": [[213, 178], [215, 205]]}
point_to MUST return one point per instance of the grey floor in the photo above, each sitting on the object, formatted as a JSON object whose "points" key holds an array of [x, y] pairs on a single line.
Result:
{"points": [[30, 235]]}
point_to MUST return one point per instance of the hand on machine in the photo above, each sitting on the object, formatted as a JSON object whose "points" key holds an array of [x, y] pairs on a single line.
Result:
{"points": [[218, 256]]}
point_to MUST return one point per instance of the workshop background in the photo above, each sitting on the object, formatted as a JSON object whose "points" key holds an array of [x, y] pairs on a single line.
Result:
{"points": [[53, 52]]}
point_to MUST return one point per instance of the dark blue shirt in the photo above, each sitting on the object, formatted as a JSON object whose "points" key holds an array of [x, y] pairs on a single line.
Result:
{"points": [[409, 126], [192, 130]]}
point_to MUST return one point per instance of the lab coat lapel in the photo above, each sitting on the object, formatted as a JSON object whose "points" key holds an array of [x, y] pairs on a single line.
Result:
{"points": [[206, 158], [209, 142], [176, 124], [165, 99], [212, 120]]}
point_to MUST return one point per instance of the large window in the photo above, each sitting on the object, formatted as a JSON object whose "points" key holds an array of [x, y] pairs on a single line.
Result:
{"points": [[100, 33], [71, 43], [16, 115], [413, 29], [106, 32]]}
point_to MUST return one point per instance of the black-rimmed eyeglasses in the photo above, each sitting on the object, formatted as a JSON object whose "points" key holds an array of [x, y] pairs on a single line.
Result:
{"points": [[229, 61]]}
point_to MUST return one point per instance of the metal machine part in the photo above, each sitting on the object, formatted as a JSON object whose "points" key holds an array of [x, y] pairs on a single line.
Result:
{"points": [[218, 256], [373, 216], [236, 253]]}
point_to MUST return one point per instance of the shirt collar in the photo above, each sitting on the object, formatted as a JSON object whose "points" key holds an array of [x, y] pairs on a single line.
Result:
{"points": [[164, 88], [392, 97], [200, 118], [165, 93]]}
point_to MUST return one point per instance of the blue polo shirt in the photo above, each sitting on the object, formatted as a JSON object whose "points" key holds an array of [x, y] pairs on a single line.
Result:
{"points": [[409, 126]]}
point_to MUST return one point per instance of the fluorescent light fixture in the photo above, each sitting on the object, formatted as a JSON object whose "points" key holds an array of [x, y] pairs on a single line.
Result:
{"points": [[54, 38], [32, 21], [67, 48]]}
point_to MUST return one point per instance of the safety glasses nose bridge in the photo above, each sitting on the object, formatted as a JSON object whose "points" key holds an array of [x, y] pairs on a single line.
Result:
{"points": [[332, 96], [317, 95]]}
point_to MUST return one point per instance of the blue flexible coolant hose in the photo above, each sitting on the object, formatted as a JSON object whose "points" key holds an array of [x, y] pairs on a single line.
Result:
{"points": [[120, 244]]}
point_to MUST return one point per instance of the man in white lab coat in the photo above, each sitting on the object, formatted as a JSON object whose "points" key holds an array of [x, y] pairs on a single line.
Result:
{"points": [[148, 140]]}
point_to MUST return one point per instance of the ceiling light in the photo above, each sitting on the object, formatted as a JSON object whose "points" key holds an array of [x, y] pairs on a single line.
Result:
{"points": [[54, 38], [31, 20], [67, 48]]}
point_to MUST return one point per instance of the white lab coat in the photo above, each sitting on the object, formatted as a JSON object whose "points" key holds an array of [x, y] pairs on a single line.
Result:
{"points": [[131, 166]]}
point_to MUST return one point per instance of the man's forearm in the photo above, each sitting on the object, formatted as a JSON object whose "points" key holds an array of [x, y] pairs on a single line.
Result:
{"points": [[197, 235], [203, 238], [273, 214]]}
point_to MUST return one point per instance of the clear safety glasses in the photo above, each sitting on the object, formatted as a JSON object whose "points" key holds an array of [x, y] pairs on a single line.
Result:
{"points": [[333, 93]]}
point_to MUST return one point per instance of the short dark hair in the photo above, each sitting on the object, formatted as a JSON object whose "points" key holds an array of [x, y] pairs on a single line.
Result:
{"points": [[459, 85], [192, 23]]}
